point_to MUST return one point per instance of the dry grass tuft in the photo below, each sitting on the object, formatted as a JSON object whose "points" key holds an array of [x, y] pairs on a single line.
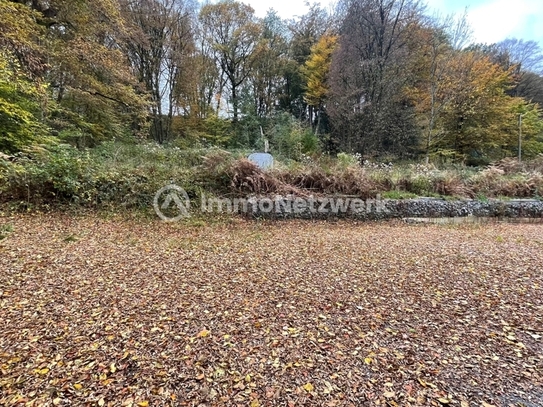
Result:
{"points": [[247, 177]]}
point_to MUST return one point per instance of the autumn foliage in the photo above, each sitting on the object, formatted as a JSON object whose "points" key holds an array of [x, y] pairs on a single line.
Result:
{"points": [[377, 78]]}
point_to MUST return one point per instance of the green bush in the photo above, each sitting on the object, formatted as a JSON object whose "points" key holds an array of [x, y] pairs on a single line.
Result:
{"points": [[289, 139], [117, 174]]}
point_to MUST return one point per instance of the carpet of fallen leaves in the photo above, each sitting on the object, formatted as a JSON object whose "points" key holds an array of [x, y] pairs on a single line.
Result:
{"points": [[121, 312]]}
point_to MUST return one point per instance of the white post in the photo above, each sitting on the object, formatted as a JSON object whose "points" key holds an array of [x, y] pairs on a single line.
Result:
{"points": [[266, 143]]}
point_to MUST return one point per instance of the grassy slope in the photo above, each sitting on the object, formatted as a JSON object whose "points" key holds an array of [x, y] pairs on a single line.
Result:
{"points": [[128, 175]]}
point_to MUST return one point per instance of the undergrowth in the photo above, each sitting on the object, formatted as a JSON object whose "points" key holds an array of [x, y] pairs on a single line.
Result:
{"points": [[120, 175]]}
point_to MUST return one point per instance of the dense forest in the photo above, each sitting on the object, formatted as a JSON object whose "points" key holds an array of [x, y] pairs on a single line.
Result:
{"points": [[379, 78]]}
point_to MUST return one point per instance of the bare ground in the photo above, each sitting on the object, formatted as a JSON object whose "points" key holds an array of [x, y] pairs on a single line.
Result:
{"points": [[99, 311]]}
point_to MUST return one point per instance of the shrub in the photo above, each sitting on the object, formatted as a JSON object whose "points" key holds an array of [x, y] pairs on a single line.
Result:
{"points": [[289, 139], [347, 160]]}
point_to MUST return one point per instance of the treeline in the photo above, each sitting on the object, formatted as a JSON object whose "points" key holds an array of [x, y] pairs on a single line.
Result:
{"points": [[375, 77]]}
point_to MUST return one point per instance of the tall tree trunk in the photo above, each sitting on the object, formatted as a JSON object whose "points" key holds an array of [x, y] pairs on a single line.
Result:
{"points": [[318, 122], [235, 102]]}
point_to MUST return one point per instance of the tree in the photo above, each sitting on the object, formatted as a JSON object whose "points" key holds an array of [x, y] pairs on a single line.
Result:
{"points": [[305, 31], [73, 47], [20, 111], [21, 35], [436, 47], [267, 75], [481, 118], [22, 91], [532, 129], [369, 110], [232, 31], [93, 90], [160, 47], [530, 87], [526, 58], [525, 55], [315, 71]]}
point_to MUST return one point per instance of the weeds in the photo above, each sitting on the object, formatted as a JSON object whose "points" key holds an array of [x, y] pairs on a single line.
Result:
{"points": [[5, 230], [123, 175]]}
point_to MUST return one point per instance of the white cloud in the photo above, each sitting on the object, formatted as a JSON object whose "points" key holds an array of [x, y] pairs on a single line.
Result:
{"points": [[494, 20], [497, 20]]}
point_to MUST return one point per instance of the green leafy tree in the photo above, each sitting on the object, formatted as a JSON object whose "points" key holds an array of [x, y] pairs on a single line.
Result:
{"points": [[22, 91], [90, 79], [22, 36], [75, 48], [20, 109]]}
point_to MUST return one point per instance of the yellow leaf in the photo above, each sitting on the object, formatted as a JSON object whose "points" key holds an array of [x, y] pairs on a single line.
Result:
{"points": [[443, 400], [112, 368], [203, 333], [43, 371], [143, 403], [308, 387], [426, 384], [78, 386], [101, 402], [367, 361], [255, 403]]}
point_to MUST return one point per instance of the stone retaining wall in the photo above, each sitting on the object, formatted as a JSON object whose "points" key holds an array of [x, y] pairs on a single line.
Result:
{"points": [[408, 208]]}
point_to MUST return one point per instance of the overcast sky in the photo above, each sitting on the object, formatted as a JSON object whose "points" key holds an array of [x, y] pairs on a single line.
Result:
{"points": [[490, 20]]}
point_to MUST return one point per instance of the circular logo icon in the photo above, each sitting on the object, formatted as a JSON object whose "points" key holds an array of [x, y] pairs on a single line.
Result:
{"points": [[175, 203]]}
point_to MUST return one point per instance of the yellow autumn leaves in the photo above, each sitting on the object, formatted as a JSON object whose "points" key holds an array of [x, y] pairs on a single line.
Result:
{"points": [[316, 70]]}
